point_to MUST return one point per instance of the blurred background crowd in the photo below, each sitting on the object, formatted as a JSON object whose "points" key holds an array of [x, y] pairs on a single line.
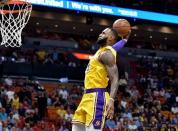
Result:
{"points": [[147, 98]]}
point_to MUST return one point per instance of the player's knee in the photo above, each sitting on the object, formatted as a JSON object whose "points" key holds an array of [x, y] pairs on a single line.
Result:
{"points": [[78, 127]]}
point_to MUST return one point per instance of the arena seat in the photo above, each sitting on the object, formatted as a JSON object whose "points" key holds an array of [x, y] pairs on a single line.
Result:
{"points": [[162, 100], [49, 87], [52, 113], [166, 113]]}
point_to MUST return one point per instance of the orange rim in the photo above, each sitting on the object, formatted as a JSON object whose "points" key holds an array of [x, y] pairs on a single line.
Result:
{"points": [[12, 11], [14, 2], [10, 2]]}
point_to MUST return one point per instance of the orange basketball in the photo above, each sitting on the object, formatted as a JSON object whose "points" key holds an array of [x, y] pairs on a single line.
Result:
{"points": [[122, 26]]}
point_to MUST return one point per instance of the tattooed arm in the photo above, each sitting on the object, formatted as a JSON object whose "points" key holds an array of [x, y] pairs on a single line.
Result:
{"points": [[108, 59]]}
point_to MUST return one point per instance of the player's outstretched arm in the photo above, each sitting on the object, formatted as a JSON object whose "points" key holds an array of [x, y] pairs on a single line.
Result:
{"points": [[119, 45], [108, 59]]}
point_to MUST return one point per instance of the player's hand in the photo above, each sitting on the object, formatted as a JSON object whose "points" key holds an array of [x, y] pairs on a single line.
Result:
{"points": [[110, 109], [127, 36]]}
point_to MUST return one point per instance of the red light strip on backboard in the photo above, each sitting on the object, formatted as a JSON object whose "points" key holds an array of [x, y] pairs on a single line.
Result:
{"points": [[82, 56]]}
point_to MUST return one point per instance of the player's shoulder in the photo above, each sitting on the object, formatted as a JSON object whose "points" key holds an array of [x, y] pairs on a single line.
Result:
{"points": [[107, 57], [111, 49]]}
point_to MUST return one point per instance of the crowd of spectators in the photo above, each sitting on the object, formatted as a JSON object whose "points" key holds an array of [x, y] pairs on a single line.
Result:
{"points": [[149, 100], [87, 43], [40, 56], [146, 101], [24, 106], [84, 41]]}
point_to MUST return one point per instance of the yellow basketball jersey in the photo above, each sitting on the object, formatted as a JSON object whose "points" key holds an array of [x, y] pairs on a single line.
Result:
{"points": [[96, 75]]}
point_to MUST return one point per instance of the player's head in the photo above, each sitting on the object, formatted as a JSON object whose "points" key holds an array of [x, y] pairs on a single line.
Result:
{"points": [[107, 37]]}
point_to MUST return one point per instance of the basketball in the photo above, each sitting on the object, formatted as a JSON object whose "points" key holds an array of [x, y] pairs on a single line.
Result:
{"points": [[122, 26]]}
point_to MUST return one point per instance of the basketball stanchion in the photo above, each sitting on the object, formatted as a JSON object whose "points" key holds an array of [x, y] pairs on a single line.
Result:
{"points": [[14, 15]]}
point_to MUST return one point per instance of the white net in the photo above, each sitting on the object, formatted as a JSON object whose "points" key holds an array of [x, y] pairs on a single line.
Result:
{"points": [[14, 17]]}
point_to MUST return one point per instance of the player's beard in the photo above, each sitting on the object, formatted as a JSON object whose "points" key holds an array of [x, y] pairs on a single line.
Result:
{"points": [[102, 41]]}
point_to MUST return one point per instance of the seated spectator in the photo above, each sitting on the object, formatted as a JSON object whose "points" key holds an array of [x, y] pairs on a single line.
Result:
{"points": [[124, 103], [5, 126], [36, 115], [3, 100], [26, 105], [162, 92], [170, 71], [69, 115], [174, 109], [63, 92], [1, 126], [41, 54], [173, 120], [10, 95], [8, 81], [21, 110], [124, 126], [127, 114], [30, 119], [49, 101], [43, 126], [110, 124], [57, 102], [37, 127], [3, 115], [15, 102], [27, 127], [61, 112], [12, 119], [55, 56], [132, 126], [138, 123], [21, 122]]}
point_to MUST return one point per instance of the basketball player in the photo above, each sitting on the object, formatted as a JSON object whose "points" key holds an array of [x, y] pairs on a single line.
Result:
{"points": [[96, 103]]}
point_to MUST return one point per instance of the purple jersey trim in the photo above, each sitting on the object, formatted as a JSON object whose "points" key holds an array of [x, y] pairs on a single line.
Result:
{"points": [[119, 45]]}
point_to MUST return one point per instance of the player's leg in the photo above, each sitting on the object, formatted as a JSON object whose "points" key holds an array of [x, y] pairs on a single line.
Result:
{"points": [[100, 110], [78, 127], [79, 118], [95, 117]]}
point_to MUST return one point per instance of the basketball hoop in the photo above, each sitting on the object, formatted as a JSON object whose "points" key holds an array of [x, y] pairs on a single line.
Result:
{"points": [[14, 15]]}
